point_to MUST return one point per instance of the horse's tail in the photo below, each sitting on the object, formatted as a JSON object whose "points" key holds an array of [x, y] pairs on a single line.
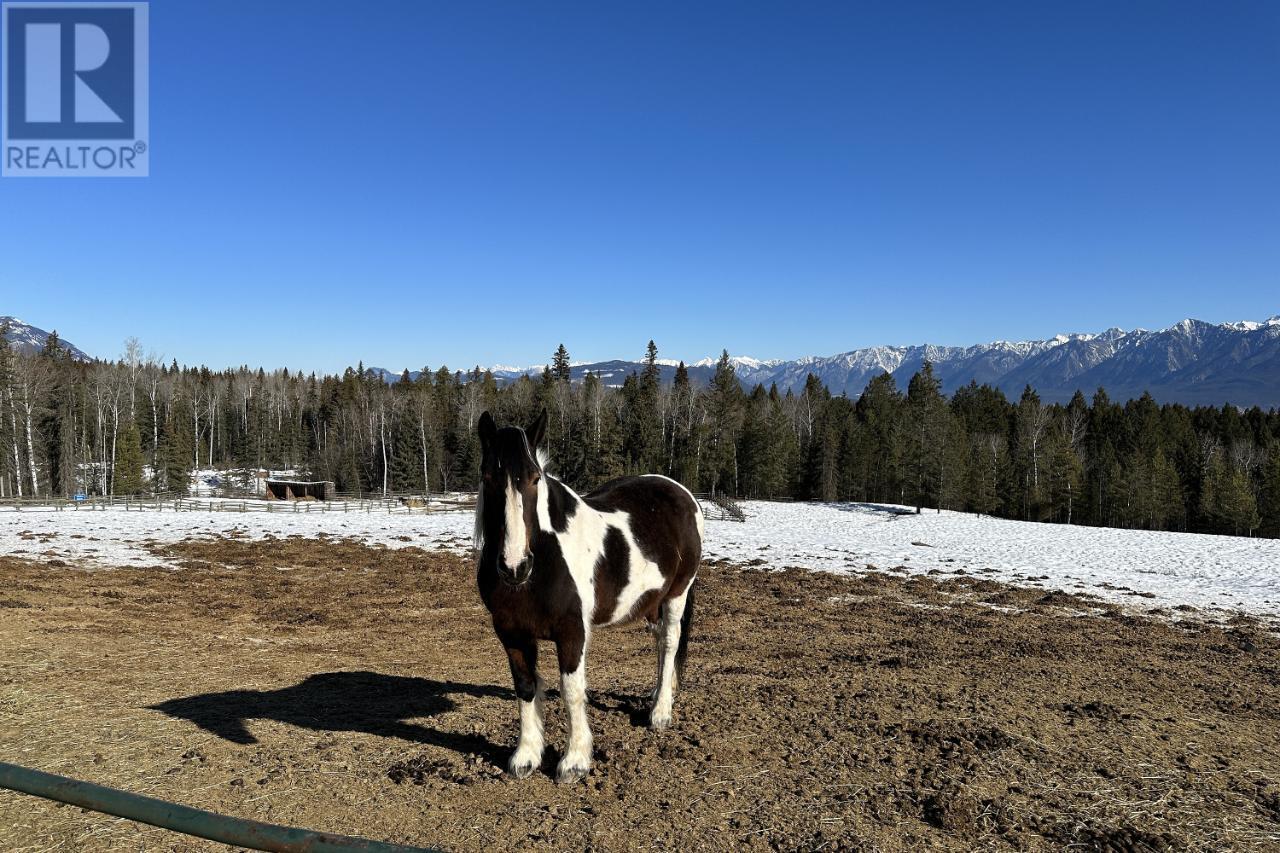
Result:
{"points": [[686, 622]]}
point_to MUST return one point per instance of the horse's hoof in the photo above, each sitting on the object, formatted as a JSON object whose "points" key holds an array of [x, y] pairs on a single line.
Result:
{"points": [[567, 774], [521, 766], [660, 722]]}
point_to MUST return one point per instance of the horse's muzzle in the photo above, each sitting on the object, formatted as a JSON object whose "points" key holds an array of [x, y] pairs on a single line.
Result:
{"points": [[517, 576]]}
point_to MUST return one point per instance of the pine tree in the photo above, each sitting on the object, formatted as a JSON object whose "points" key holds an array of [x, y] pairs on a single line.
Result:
{"points": [[175, 458], [1269, 498], [782, 442], [650, 373], [601, 436], [406, 458], [648, 435], [1066, 473], [724, 427], [176, 452], [1227, 500], [53, 349], [560, 364], [988, 469], [1167, 507], [1032, 427], [687, 421], [127, 479], [880, 411], [564, 439], [928, 431]]}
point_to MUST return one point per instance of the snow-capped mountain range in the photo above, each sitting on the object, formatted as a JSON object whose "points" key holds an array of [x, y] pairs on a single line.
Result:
{"points": [[1191, 362], [26, 338]]}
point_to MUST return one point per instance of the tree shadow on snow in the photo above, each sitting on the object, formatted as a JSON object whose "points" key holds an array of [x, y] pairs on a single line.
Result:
{"points": [[367, 702]]}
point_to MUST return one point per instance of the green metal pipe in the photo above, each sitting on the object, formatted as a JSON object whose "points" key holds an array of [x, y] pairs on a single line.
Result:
{"points": [[201, 824]]}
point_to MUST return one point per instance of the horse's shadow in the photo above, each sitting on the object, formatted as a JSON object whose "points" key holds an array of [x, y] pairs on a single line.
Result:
{"points": [[367, 702], [635, 706]]}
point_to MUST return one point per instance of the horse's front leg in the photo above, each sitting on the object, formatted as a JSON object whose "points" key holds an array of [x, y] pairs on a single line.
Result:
{"points": [[571, 651], [522, 654]]}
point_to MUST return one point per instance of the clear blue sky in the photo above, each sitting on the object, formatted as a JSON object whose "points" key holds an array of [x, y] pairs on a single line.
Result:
{"points": [[411, 183]]}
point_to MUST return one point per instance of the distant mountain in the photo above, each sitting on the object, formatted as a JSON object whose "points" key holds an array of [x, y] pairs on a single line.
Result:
{"points": [[26, 338], [1192, 362], [390, 376]]}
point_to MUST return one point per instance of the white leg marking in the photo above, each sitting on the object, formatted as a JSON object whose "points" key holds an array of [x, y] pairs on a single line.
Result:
{"points": [[577, 758], [528, 754], [668, 643]]}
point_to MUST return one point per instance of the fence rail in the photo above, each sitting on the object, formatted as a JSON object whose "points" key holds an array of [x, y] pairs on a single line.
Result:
{"points": [[392, 505], [239, 832], [389, 507]]}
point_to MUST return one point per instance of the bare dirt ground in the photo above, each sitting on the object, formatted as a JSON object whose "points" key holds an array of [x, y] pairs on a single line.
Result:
{"points": [[360, 690]]}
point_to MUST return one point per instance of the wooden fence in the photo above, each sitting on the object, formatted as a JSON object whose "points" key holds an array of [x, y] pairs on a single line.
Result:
{"points": [[392, 504]]}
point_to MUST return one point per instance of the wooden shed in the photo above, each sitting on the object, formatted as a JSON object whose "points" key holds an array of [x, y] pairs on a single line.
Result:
{"points": [[297, 490]]}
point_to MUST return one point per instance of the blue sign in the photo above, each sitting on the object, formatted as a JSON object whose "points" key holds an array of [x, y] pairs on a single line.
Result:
{"points": [[80, 496], [75, 89]]}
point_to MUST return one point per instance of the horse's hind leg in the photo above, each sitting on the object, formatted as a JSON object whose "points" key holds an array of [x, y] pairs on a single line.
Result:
{"points": [[659, 634], [523, 657], [668, 645]]}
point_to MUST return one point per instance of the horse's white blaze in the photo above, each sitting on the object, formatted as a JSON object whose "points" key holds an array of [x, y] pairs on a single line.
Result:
{"points": [[517, 541]]}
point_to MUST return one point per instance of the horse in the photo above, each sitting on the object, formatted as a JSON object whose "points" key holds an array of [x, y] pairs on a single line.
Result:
{"points": [[553, 565]]}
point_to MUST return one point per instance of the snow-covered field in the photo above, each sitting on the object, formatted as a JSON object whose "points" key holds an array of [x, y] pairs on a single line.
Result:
{"points": [[1132, 567], [1136, 568]]}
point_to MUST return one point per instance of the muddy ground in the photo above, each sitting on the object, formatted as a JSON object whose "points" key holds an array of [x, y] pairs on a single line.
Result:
{"points": [[360, 690]]}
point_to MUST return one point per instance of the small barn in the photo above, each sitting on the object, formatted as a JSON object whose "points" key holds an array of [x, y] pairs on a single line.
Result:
{"points": [[297, 490]]}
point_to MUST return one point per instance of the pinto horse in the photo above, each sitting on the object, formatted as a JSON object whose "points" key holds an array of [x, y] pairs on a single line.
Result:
{"points": [[553, 565]]}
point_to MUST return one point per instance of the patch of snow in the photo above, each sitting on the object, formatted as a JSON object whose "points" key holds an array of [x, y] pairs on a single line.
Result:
{"points": [[117, 537], [1130, 567], [1135, 568]]}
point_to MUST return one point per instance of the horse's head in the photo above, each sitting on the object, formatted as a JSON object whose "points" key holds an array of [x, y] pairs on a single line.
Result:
{"points": [[507, 511]]}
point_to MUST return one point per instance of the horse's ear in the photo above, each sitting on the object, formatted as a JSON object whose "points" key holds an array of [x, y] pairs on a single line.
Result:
{"points": [[537, 431], [488, 429]]}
